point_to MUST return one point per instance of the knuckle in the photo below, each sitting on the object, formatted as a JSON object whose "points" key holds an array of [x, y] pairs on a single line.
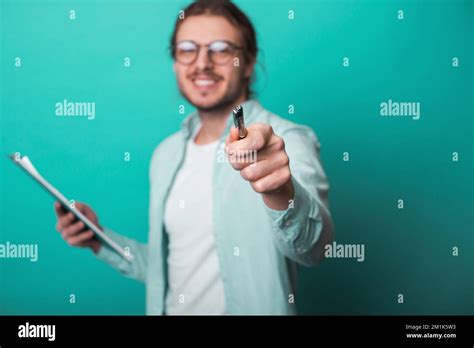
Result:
{"points": [[286, 160], [279, 143], [238, 165], [243, 174], [235, 166], [242, 166], [259, 142], [253, 175], [286, 175], [247, 173], [268, 129], [258, 187]]}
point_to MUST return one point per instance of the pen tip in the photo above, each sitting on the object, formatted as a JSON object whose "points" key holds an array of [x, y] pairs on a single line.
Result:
{"points": [[237, 109]]}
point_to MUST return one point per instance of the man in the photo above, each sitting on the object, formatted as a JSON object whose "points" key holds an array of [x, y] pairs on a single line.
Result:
{"points": [[225, 234]]}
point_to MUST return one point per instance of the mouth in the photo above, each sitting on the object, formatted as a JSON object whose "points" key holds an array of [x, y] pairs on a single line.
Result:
{"points": [[204, 82]]}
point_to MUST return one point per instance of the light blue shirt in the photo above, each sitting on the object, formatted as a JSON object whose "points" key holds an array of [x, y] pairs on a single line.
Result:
{"points": [[259, 248]]}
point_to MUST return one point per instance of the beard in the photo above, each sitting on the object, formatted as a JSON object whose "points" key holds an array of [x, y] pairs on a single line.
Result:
{"points": [[225, 102]]}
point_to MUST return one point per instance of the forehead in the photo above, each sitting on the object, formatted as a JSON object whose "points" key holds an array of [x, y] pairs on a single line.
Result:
{"points": [[204, 29]]}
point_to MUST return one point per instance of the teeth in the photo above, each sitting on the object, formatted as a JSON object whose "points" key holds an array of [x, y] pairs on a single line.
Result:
{"points": [[204, 82]]}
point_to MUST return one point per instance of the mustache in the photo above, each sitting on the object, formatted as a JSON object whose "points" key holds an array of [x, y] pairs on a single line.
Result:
{"points": [[209, 73]]}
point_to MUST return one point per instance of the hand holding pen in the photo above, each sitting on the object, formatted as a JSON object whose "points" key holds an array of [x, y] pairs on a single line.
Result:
{"points": [[259, 154]]}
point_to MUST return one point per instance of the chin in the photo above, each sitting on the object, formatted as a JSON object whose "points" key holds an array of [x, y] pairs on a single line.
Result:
{"points": [[206, 102]]}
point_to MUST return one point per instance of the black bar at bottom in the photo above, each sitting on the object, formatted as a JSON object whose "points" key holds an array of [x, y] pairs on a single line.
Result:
{"points": [[413, 330]]}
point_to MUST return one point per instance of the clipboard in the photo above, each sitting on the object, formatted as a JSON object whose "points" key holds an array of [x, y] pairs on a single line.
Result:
{"points": [[27, 166]]}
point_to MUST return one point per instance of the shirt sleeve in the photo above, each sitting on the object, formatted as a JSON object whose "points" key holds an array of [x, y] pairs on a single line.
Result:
{"points": [[136, 268], [305, 227]]}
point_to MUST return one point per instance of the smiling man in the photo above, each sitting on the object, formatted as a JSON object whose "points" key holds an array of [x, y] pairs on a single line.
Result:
{"points": [[225, 237]]}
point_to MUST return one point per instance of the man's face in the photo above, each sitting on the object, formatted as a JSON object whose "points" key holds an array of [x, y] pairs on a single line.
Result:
{"points": [[205, 84]]}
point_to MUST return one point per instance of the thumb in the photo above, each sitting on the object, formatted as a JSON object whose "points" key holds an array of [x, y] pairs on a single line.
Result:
{"points": [[234, 134]]}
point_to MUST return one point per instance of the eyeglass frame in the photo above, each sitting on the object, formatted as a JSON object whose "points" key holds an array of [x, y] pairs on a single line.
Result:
{"points": [[231, 44]]}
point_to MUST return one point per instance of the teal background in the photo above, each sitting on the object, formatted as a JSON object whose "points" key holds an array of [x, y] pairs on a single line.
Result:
{"points": [[407, 251]]}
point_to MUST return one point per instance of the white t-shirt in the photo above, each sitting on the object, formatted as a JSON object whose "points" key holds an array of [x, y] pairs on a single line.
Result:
{"points": [[194, 279]]}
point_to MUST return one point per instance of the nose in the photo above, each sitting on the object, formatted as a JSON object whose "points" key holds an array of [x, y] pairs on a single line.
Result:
{"points": [[202, 61]]}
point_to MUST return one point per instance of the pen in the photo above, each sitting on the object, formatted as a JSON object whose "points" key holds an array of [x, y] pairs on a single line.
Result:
{"points": [[238, 114]]}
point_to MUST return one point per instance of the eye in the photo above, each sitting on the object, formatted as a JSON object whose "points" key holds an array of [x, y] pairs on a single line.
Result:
{"points": [[186, 46], [219, 46]]}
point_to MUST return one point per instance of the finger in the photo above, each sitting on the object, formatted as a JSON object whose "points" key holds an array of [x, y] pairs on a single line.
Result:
{"points": [[73, 229], [257, 136], [260, 169], [272, 182], [65, 221], [234, 134], [83, 208], [240, 159], [275, 146], [86, 210], [79, 239], [59, 209]]}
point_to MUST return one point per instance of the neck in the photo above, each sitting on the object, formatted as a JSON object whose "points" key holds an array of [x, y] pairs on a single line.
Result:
{"points": [[214, 122]]}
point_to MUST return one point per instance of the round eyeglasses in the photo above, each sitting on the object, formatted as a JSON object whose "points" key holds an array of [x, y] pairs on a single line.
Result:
{"points": [[219, 52]]}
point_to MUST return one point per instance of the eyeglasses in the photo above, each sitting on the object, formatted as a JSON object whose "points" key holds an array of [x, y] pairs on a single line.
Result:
{"points": [[219, 52]]}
